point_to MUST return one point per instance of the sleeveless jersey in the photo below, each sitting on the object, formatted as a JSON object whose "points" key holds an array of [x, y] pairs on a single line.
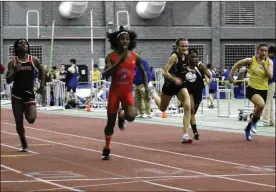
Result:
{"points": [[213, 85], [179, 70], [73, 79], [258, 79], [63, 75], [123, 78], [25, 77], [194, 79]]}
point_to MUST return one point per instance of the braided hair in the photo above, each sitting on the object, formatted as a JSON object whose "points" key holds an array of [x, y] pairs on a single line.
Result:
{"points": [[113, 38], [15, 46]]}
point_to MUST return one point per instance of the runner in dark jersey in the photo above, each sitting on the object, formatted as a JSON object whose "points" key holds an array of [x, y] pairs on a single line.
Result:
{"points": [[175, 84], [21, 71], [195, 74], [120, 65]]}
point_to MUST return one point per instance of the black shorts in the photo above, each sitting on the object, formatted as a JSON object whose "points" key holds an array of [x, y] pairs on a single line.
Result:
{"points": [[172, 89], [27, 96], [71, 88], [251, 91], [197, 94], [212, 91]]}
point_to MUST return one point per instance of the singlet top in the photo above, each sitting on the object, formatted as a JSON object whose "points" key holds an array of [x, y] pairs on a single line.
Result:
{"points": [[123, 78], [194, 79], [258, 80], [73, 77], [25, 77], [178, 70], [63, 75], [213, 85]]}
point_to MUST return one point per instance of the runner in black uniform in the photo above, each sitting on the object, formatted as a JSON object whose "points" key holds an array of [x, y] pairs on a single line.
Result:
{"points": [[175, 84], [196, 72], [21, 71]]}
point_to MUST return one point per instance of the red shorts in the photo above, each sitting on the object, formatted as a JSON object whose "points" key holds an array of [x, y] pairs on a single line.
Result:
{"points": [[114, 100]]}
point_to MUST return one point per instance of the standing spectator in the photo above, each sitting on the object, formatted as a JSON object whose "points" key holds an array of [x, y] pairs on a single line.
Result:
{"points": [[61, 74], [212, 87], [48, 78], [72, 82], [95, 75], [269, 113], [144, 106]]}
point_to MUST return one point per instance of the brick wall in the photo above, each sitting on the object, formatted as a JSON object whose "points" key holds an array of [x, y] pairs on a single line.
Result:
{"points": [[200, 22]]}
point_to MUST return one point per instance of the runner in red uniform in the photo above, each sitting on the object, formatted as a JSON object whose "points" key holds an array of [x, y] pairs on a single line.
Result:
{"points": [[120, 65]]}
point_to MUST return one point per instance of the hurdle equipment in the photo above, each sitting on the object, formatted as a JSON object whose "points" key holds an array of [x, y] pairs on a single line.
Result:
{"points": [[5, 92]]}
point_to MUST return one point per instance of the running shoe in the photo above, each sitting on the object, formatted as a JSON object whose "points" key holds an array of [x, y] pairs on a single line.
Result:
{"points": [[186, 139], [105, 154]]}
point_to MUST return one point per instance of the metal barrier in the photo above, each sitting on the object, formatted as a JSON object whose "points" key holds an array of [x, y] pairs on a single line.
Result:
{"points": [[55, 96], [5, 92], [99, 94], [219, 105]]}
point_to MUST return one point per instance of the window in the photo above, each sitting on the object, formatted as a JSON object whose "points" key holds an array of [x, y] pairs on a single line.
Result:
{"points": [[239, 13], [200, 51], [234, 53], [34, 51]]}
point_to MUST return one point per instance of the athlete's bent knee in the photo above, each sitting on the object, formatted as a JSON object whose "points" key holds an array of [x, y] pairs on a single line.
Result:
{"points": [[31, 120], [186, 106], [129, 118]]}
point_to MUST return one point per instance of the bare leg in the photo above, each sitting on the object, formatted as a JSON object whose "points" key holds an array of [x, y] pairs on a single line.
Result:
{"points": [[30, 112], [184, 97], [18, 110], [163, 101]]}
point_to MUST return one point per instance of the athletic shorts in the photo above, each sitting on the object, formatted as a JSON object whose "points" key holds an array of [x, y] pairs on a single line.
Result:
{"points": [[212, 90], [251, 91], [114, 99], [197, 94], [73, 88], [172, 89], [26, 96]]}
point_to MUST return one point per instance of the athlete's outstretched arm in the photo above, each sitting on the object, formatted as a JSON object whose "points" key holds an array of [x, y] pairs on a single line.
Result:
{"points": [[110, 67], [11, 72], [240, 63], [41, 70], [140, 66]]}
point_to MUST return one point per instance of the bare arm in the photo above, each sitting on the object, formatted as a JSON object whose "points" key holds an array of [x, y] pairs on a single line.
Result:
{"points": [[41, 71], [108, 67], [269, 70], [140, 66], [207, 74], [11, 72], [58, 75], [172, 61], [205, 71], [240, 63]]}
